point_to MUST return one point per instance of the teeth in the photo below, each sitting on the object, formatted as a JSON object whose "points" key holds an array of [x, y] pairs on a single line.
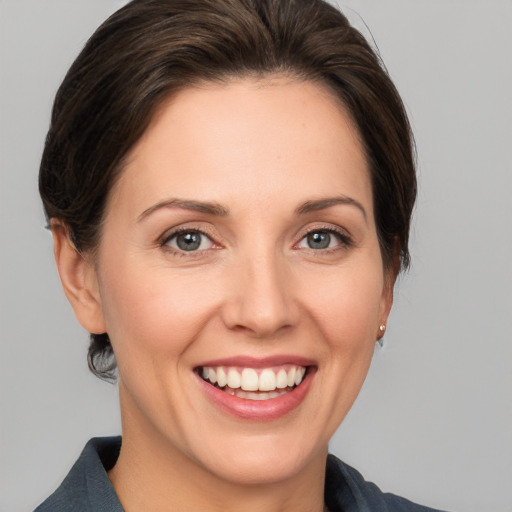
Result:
{"points": [[249, 395], [267, 381], [221, 377], [234, 379], [299, 375], [281, 379], [291, 377], [272, 380], [249, 380]]}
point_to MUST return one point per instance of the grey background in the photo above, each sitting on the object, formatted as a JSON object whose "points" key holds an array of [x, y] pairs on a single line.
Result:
{"points": [[434, 419]]}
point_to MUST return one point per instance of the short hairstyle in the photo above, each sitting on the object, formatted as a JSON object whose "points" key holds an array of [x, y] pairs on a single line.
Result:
{"points": [[151, 49]]}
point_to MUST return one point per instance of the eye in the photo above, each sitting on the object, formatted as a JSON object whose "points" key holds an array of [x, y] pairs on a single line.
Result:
{"points": [[189, 241], [323, 239]]}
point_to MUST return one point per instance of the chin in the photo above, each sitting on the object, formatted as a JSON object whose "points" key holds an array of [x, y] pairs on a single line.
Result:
{"points": [[259, 470], [262, 461]]}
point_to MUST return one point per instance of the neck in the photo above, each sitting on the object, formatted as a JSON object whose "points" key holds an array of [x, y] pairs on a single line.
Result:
{"points": [[152, 474]]}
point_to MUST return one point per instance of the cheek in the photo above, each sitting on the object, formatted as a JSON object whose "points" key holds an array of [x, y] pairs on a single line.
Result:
{"points": [[347, 305], [149, 312]]}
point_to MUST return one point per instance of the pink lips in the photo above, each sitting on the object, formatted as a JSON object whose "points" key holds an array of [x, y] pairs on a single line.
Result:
{"points": [[258, 410]]}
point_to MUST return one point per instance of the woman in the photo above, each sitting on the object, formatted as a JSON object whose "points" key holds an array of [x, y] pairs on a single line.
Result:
{"points": [[229, 186]]}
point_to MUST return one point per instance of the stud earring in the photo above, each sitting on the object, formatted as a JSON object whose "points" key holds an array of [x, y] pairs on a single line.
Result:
{"points": [[380, 338]]}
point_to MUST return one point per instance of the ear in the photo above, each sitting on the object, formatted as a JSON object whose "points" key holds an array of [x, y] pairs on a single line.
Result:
{"points": [[390, 275], [78, 278]]}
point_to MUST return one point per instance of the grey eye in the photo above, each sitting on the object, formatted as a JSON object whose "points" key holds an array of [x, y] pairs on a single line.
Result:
{"points": [[189, 241], [319, 240]]}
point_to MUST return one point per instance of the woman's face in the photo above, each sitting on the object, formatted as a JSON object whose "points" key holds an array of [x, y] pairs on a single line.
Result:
{"points": [[239, 246]]}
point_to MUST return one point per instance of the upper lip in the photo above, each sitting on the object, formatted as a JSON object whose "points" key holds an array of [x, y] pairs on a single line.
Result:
{"points": [[259, 362]]}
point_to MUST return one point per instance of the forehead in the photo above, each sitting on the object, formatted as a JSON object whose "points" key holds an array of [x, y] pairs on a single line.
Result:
{"points": [[274, 138]]}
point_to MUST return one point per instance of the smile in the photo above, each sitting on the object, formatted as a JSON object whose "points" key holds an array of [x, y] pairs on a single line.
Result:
{"points": [[257, 389], [254, 383]]}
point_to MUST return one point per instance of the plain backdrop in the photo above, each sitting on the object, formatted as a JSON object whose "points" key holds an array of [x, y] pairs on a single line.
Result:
{"points": [[434, 419]]}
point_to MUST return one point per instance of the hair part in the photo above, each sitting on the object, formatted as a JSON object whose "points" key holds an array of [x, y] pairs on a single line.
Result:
{"points": [[151, 49]]}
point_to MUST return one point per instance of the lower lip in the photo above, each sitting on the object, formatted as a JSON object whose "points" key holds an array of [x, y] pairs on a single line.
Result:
{"points": [[258, 410]]}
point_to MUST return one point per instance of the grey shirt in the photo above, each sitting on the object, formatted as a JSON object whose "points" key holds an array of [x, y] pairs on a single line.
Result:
{"points": [[88, 489]]}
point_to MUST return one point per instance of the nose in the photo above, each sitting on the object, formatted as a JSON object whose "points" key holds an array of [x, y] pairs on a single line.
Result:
{"points": [[261, 301]]}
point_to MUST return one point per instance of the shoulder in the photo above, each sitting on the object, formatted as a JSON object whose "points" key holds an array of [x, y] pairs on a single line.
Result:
{"points": [[346, 490], [87, 487]]}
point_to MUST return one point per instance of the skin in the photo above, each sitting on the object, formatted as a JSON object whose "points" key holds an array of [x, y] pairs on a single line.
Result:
{"points": [[260, 149]]}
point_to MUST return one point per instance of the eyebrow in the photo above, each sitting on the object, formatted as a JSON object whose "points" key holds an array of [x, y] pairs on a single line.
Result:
{"points": [[328, 202], [216, 209], [209, 208]]}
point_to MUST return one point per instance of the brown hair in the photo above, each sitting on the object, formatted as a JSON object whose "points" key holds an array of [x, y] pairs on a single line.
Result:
{"points": [[150, 49]]}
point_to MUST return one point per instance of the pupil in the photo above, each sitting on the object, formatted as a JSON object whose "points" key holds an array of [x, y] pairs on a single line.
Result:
{"points": [[319, 240], [189, 241]]}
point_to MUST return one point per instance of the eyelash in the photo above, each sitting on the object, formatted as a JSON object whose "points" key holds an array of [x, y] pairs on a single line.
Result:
{"points": [[344, 239], [180, 231]]}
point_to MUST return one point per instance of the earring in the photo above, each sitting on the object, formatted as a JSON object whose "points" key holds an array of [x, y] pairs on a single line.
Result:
{"points": [[380, 338]]}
